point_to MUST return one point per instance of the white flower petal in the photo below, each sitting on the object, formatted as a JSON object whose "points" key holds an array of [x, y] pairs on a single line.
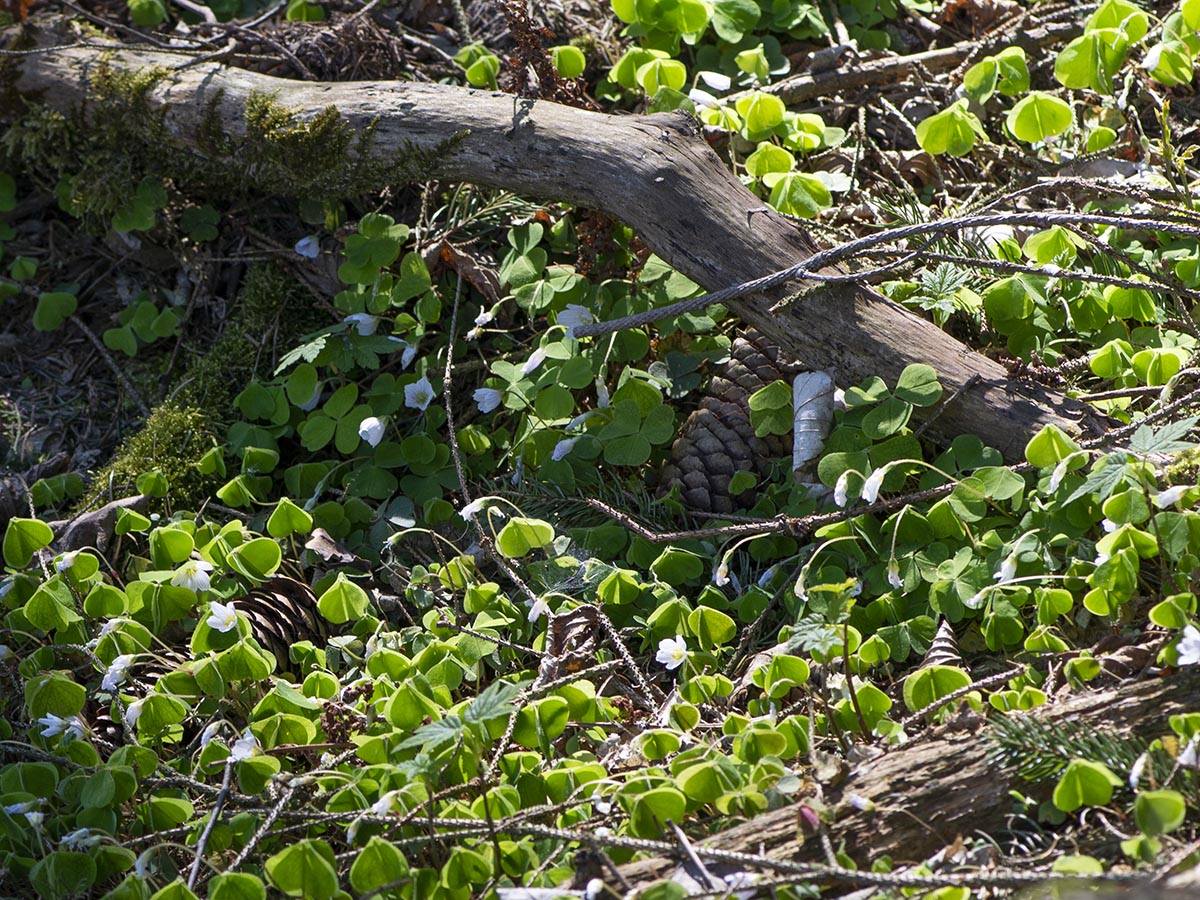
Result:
{"points": [[562, 448], [536, 358], [672, 652], [371, 430], [487, 399], [364, 322], [308, 247], [222, 617], [419, 394], [870, 491]]}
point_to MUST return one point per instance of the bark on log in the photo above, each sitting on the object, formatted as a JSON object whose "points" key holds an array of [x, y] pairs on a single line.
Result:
{"points": [[653, 172], [941, 786]]}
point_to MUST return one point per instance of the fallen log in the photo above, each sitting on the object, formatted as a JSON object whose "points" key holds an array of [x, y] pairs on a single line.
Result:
{"points": [[942, 786], [654, 172]]}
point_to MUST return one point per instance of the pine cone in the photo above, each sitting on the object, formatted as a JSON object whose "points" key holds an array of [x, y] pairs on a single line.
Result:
{"points": [[717, 440]]}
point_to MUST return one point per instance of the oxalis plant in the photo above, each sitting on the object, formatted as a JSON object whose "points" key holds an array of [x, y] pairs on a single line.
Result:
{"points": [[161, 747], [450, 722]]}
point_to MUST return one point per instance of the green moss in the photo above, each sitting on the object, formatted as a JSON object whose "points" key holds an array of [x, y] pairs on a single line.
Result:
{"points": [[171, 441], [247, 346]]}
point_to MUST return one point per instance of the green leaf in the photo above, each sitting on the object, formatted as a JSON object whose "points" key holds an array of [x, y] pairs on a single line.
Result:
{"points": [[711, 627], [53, 309], [676, 567], [256, 559], [1170, 63], [919, 385], [377, 864], [734, 19], [1038, 116], [1168, 439], [568, 61], [1089, 61], [23, 538], [887, 418], [288, 518], [305, 869], [929, 684], [1084, 783], [798, 193], [236, 886], [1049, 447], [951, 131], [771, 409], [762, 114], [1120, 14], [659, 73], [62, 874], [769, 158], [1159, 812], [520, 535], [343, 601]]}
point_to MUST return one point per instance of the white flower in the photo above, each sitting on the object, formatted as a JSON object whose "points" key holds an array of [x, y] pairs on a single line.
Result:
{"points": [[193, 575], [870, 491], [19, 809], [536, 358], [364, 322], [1059, 473], [859, 802], [79, 839], [1008, 569], [716, 80], [222, 617], [52, 725], [975, 601], [383, 805], [539, 608], [575, 316], [1188, 649], [1101, 559], [472, 334], [485, 317], [855, 589], [112, 625], [701, 97], [602, 399], [139, 864], [209, 732], [371, 430], [35, 818], [595, 889], [839, 489], [672, 652], [1171, 495], [133, 712], [1135, 773], [487, 399], [1190, 758], [472, 509], [66, 561], [766, 576], [5, 652], [576, 423], [419, 394], [308, 247], [1108, 525], [116, 672], [244, 747], [1151, 60], [721, 576], [562, 448], [893, 573], [409, 354], [6, 585]]}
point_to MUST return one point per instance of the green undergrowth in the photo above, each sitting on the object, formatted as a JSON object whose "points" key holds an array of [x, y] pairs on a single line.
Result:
{"points": [[484, 657]]}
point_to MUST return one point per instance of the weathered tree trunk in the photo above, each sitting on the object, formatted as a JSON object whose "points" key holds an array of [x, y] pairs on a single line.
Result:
{"points": [[929, 792], [653, 172]]}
